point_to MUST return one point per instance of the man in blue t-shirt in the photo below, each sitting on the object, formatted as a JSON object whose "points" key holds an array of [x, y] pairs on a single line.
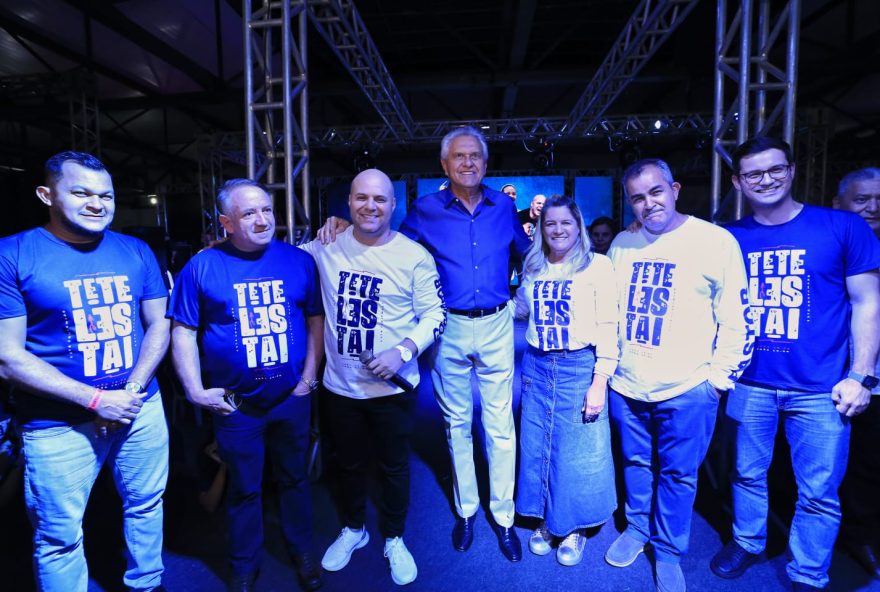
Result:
{"points": [[247, 340], [813, 285], [82, 330], [859, 192]]}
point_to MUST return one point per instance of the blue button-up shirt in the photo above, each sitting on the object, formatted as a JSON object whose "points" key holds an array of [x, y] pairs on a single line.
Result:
{"points": [[472, 251]]}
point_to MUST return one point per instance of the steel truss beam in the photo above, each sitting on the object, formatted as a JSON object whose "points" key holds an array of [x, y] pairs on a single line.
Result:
{"points": [[517, 129], [647, 29], [340, 24], [276, 138], [765, 92]]}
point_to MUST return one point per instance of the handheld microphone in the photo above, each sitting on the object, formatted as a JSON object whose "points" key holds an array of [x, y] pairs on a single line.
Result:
{"points": [[366, 356]]}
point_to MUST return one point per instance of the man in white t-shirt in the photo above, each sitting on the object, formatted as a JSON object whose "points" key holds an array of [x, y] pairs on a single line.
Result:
{"points": [[383, 299], [685, 338]]}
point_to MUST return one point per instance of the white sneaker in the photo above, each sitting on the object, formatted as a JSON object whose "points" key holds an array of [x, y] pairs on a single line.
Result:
{"points": [[571, 549], [403, 566], [339, 553], [539, 542]]}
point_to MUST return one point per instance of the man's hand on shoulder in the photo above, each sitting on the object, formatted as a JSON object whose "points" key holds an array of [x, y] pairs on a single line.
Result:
{"points": [[333, 226], [850, 398], [211, 399]]}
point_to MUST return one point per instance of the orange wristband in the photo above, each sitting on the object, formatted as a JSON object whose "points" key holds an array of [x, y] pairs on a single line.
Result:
{"points": [[96, 400]]}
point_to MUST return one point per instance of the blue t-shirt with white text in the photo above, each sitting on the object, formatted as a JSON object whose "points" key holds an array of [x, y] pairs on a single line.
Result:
{"points": [[82, 304], [797, 290], [250, 311]]}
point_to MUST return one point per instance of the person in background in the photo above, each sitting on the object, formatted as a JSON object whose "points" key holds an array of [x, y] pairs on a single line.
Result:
{"points": [[566, 475], [529, 216], [510, 191], [602, 232], [859, 192]]}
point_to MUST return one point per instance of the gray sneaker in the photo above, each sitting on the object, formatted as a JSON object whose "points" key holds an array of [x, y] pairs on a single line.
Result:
{"points": [[539, 541], [571, 549], [669, 577], [624, 551]]}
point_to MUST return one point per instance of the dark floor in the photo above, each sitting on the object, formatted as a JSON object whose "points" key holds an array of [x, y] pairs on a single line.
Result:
{"points": [[195, 540]]}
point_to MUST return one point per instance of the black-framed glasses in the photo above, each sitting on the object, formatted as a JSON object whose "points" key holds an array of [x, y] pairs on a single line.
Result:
{"points": [[777, 173]]}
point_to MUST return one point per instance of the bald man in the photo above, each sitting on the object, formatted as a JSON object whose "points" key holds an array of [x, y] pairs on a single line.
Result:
{"points": [[386, 293]]}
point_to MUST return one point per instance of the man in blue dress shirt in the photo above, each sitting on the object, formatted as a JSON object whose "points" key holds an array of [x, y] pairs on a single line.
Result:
{"points": [[471, 231]]}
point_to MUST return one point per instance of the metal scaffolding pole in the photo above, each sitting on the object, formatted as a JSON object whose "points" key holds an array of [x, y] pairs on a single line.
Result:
{"points": [[765, 92], [276, 139], [85, 134]]}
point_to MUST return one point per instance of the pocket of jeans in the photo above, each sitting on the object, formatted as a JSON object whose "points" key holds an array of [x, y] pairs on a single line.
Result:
{"points": [[42, 433]]}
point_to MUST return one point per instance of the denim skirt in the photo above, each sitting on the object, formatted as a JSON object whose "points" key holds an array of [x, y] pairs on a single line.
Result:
{"points": [[566, 474]]}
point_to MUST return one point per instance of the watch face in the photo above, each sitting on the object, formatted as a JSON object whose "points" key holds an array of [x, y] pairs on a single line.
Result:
{"points": [[869, 382]]}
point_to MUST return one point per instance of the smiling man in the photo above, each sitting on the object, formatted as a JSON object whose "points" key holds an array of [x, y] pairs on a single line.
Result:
{"points": [[685, 339], [82, 330], [471, 231], [813, 285], [386, 293], [247, 343]]}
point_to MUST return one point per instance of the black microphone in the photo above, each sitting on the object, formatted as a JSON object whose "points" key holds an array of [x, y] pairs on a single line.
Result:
{"points": [[367, 356]]}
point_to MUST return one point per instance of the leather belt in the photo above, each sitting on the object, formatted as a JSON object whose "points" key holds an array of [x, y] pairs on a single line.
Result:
{"points": [[477, 313]]}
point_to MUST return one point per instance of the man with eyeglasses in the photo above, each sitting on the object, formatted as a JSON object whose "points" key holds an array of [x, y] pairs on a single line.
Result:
{"points": [[813, 284], [859, 192]]}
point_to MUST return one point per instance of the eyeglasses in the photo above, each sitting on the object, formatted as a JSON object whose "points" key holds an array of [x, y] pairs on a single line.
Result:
{"points": [[777, 173]]}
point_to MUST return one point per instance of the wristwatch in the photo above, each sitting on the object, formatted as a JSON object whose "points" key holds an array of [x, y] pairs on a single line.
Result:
{"points": [[134, 387], [405, 353], [866, 380]]}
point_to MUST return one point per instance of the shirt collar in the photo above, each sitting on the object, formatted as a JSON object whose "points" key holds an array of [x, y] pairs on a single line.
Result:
{"points": [[449, 197]]}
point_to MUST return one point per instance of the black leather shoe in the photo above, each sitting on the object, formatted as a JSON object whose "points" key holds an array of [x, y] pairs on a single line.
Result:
{"points": [[508, 540], [463, 533], [802, 587], [868, 556], [242, 583], [732, 561], [308, 571]]}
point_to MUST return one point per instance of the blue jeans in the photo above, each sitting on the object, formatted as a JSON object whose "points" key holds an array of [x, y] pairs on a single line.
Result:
{"points": [[61, 465], [663, 446], [819, 440], [566, 474], [243, 438]]}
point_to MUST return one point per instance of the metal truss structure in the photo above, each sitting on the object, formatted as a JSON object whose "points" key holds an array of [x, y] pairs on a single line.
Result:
{"points": [[517, 129], [765, 92], [647, 29], [77, 89], [811, 156], [339, 23], [275, 139]]}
